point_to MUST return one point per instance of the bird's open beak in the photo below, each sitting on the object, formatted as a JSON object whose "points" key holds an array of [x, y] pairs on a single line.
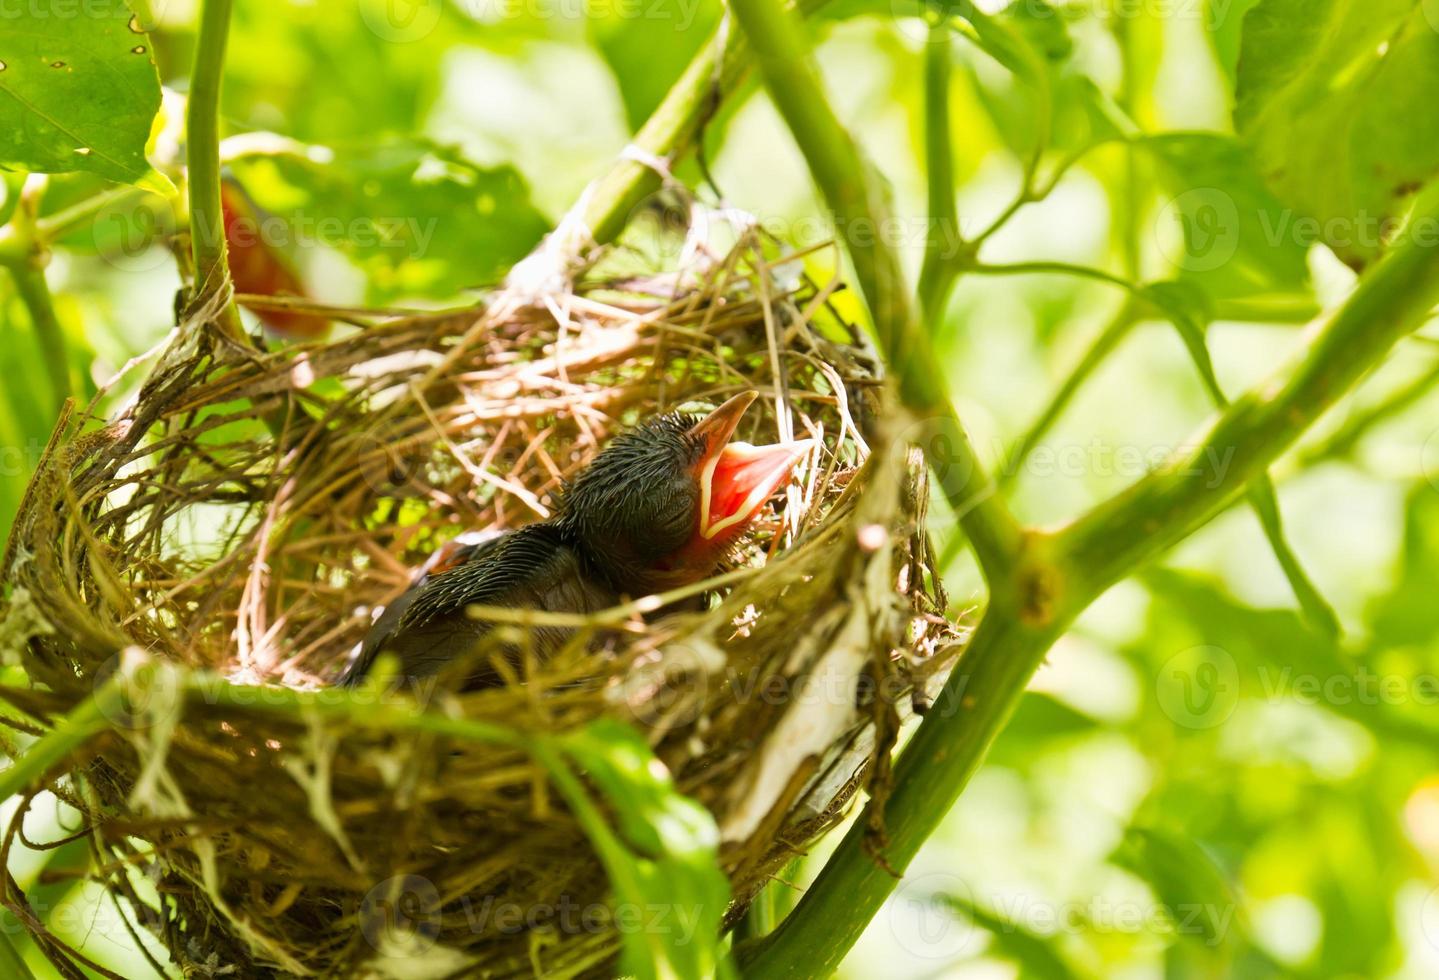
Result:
{"points": [[737, 478]]}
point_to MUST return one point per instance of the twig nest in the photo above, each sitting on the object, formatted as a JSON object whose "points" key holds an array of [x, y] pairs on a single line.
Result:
{"points": [[250, 512]]}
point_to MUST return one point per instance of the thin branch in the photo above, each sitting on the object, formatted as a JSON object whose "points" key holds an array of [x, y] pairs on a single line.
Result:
{"points": [[1342, 443], [1056, 268], [859, 209], [66, 220], [939, 269], [49, 334], [25, 254], [671, 131]]}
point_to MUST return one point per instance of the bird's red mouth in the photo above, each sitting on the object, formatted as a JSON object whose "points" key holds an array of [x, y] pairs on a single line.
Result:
{"points": [[737, 478]]}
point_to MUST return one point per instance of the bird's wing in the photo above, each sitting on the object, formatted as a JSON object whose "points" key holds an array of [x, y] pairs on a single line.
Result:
{"points": [[490, 575], [497, 572]]}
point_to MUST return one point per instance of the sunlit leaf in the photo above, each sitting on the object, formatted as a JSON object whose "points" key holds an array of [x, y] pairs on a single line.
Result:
{"points": [[78, 90], [1335, 97], [1409, 613], [1274, 650], [1234, 243], [418, 219], [1224, 22], [1195, 891], [670, 867]]}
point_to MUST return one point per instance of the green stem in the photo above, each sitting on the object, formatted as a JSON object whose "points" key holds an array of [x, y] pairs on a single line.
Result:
{"points": [[86, 720], [1342, 443], [1055, 268], [12, 964], [1280, 309], [938, 271], [202, 152], [946, 749], [672, 130], [857, 203], [40, 304], [62, 222]]}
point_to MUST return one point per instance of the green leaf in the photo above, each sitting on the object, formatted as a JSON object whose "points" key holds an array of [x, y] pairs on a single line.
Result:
{"points": [[78, 90], [1055, 106], [667, 865], [1192, 323], [1194, 890], [1233, 243], [1028, 37], [323, 73], [1277, 654], [418, 219], [1224, 21], [1039, 721], [1336, 99], [1408, 614], [1035, 954]]}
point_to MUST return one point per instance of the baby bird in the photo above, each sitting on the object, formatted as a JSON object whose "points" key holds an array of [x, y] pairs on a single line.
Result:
{"points": [[657, 509]]}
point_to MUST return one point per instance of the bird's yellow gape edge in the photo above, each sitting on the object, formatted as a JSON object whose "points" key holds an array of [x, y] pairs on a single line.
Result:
{"points": [[736, 478]]}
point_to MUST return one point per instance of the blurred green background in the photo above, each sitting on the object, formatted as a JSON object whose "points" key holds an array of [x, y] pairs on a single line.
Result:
{"points": [[1199, 784]]}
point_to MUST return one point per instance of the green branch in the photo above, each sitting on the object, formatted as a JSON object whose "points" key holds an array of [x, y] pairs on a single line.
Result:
{"points": [[672, 130], [49, 334], [945, 751], [939, 270], [859, 210], [202, 160], [1055, 268], [24, 250]]}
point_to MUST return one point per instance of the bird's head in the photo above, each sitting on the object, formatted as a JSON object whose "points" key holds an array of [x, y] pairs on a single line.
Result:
{"points": [[661, 505]]}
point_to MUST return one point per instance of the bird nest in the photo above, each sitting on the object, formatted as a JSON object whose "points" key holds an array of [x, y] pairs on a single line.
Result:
{"points": [[247, 514]]}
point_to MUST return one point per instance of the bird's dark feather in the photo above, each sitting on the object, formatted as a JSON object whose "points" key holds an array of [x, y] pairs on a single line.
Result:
{"points": [[427, 626], [633, 505]]}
